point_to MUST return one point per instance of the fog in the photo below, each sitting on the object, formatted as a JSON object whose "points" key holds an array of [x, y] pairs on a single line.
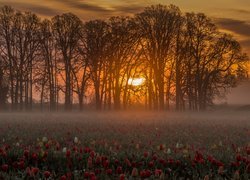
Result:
{"points": [[240, 94], [234, 114], [185, 127]]}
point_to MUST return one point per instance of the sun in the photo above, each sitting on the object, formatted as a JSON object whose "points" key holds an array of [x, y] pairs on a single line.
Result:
{"points": [[136, 81]]}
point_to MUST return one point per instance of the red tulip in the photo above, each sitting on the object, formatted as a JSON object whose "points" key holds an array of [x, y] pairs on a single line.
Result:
{"points": [[171, 161], [47, 146], [148, 173], [98, 160], [28, 171], [15, 165], [5, 167], [105, 163], [35, 170], [26, 153], [45, 155], [238, 158], [87, 149], [158, 172], [86, 174], [210, 158], [143, 174], [248, 168], [92, 176], [68, 153], [75, 149], [90, 162], [34, 156], [161, 147], [92, 154], [145, 154], [244, 159], [98, 171], [116, 161], [69, 175], [178, 162], [46, 174], [119, 170], [155, 157], [219, 164], [122, 176], [58, 147], [198, 158], [128, 163], [3, 153], [140, 163], [109, 171], [151, 164], [134, 172], [248, 150], [162, 161], [134, 164], [63, 177]]}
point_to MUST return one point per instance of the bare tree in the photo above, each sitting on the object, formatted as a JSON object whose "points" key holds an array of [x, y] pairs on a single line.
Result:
{"points": [[214, 60], [48, 75], [158, 25], [81, 73], [4, 87], [20, 43], [123, 52], [67, 32], [97, 39]]}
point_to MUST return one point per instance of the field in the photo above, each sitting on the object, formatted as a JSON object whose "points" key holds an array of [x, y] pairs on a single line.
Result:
{"points": [[125, 145]]}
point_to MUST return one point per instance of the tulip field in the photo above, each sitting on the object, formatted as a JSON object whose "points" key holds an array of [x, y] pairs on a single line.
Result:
{"points": [[125, 145]]}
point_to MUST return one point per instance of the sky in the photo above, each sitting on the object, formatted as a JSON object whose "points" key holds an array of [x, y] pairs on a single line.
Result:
{"points": [[232, 16]]}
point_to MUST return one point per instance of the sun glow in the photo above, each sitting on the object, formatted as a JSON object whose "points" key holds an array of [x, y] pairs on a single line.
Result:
{"points": [[136, 81]]}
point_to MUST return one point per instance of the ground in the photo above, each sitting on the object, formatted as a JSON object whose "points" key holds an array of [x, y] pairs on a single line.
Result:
{"points": [[122, 145]]}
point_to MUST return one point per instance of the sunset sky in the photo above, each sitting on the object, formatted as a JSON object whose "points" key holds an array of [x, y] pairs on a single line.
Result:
{"points": [[231, 16]]}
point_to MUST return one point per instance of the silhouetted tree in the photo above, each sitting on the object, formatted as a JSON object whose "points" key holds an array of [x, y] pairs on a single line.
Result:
{"points": [[19, 36], [47, 77], [4, 87], [97, 40], [213, 61], [184, 59], [67, 32], [158, 26]]}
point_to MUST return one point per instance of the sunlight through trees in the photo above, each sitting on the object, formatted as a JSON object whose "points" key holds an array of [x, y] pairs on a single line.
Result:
{"points": [[159, 58]]}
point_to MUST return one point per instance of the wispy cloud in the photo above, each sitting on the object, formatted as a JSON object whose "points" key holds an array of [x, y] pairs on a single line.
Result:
{"points": [[241, 11], [129, 9], [246, 43], [108, 10], [83, 5], [36, 8], [237, 26]]}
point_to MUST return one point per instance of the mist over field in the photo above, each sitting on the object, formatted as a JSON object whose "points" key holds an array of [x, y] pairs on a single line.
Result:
{"points": [[187, 127]]}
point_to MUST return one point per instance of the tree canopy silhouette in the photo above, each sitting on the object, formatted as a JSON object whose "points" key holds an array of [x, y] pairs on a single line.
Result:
{"points": [[183, 58]]}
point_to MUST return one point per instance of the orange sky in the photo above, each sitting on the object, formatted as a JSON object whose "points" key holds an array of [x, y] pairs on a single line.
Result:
{"points": [[232, 16]]}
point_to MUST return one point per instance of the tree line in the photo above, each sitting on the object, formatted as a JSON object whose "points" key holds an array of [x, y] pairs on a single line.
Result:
{"points": [[183, 58]]}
